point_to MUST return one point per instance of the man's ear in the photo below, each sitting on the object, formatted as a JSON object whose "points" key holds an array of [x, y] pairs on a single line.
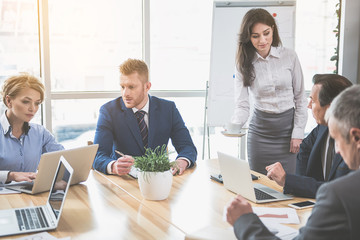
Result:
{"points": [[355, 134], [148, 86]]}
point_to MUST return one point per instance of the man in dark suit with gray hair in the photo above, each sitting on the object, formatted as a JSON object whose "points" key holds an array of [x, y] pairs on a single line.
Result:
{"points": [[336, 214]]}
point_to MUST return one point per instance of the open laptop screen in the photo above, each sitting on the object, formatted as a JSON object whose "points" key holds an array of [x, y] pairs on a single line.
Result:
{"points": [[57, 194]]}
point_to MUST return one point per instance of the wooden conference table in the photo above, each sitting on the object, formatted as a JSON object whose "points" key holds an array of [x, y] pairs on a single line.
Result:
{"points": [[112, 207]]}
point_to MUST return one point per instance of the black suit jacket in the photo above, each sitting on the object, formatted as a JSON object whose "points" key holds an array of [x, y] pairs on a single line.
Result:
{"points": [[336, 214], [309, 171]]}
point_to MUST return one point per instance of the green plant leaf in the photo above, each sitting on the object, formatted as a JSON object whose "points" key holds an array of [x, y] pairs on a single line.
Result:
{"points": [[154, 160]]}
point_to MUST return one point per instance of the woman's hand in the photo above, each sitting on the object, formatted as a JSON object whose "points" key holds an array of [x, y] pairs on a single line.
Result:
{"points": [[295, 145], [21, 176]]}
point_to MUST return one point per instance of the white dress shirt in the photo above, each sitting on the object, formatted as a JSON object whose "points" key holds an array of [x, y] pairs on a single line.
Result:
{"points": [[324, 157], [278, 86]]}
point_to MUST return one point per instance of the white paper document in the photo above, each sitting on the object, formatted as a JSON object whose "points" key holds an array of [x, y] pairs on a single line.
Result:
{"points": [[212, 233], [281, 231], [277, 215], [4, 190], [43, 236]]}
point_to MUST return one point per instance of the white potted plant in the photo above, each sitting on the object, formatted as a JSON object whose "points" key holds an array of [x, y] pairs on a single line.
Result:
{"points": [[155, 177]]}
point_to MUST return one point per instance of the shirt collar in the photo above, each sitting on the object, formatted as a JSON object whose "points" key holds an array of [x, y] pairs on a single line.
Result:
{"points": [[5, 123], [145, 108], [274, 52], [7, 127]]}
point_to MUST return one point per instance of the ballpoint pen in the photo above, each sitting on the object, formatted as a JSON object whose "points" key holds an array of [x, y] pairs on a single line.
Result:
{"points": [[120, 153], [132, 174]]}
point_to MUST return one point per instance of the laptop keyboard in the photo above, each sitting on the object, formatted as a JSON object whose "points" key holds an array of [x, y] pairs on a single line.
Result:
{"points": [[28, 187], [31, 218], [260, 195]]}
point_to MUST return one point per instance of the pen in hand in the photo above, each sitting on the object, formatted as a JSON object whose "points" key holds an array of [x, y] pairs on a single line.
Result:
{"points": [[120, 153]]}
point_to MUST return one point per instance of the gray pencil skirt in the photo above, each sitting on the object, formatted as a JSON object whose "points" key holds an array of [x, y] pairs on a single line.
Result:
{"points": [[268, 140]]}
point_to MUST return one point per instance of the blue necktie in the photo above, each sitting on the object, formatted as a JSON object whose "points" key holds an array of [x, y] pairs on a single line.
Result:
{"points": [[142, 125]]}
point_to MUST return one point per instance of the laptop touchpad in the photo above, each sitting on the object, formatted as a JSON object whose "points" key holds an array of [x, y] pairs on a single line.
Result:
{"points": [[268, 190]]}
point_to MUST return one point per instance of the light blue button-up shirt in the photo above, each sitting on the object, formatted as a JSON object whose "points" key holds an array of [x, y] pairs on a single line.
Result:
{"points": [[23, 155]]}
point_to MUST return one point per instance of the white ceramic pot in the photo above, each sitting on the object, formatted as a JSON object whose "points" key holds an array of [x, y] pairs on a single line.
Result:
{"points": [[155, 185]]}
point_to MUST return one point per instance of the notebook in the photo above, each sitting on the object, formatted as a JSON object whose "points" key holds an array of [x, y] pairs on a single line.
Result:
{"points": [[237, 178], [81, 160], [39, 218]]}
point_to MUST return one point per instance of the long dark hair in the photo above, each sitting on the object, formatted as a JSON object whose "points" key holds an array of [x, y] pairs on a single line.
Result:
{"points": [[246, 51]]}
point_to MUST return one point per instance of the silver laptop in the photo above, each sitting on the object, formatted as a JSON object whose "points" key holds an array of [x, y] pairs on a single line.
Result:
{"points": [[39, 218], [81, 160], [237, 178]]}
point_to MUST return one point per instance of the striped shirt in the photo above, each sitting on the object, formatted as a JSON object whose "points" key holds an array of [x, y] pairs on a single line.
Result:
{"points": [[278, 87]]}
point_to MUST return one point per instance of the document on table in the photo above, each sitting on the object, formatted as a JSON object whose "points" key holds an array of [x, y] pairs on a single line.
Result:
{"points": [[4, 190], [8, 191], [277, 215], [215, 233], [272, 217], [212, 233], [281, 231], [43, 236]]}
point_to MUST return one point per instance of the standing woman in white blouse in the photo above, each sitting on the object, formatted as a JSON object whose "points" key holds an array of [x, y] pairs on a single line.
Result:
{"points": [[273, 76]]}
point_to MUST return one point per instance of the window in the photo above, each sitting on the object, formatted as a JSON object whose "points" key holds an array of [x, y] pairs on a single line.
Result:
{"points": [[88, 41], [315, 39], [180, 37], [86, 48], [74, 120], [19, 41]]}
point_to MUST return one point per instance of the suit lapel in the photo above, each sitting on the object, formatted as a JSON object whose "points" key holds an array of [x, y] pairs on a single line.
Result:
{"points": [[133, 125], [336, 161], [315, 165], [153, 115]]}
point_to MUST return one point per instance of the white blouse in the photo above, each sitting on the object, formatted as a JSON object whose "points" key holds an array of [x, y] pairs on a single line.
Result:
{"points": [[278, 87]]}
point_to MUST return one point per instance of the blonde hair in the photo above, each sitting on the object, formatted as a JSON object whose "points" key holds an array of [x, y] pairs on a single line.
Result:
{"points": [[13, 85], [131, 66]]}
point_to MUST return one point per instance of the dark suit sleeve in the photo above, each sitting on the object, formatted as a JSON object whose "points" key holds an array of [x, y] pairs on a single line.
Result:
{"points": [[180, 137], [305, 149], [104, 137], [301, 186], [250, 227], [328, 219]]}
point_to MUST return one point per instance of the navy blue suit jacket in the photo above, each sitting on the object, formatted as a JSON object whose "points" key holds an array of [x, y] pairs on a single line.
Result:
{"points": [[117, 129], [309, 171]]}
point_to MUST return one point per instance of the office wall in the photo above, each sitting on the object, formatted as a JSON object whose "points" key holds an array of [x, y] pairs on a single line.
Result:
{"points": [[349, 50]]}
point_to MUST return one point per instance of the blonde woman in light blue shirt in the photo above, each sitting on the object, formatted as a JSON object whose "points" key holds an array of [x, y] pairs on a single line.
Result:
{"points": [[21, 142], [272, 76]]}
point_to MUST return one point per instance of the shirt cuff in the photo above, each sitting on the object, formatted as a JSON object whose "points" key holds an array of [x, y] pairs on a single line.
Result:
{"points": [[297, 133], [108, 168], [4, 176], [184, 158]]}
